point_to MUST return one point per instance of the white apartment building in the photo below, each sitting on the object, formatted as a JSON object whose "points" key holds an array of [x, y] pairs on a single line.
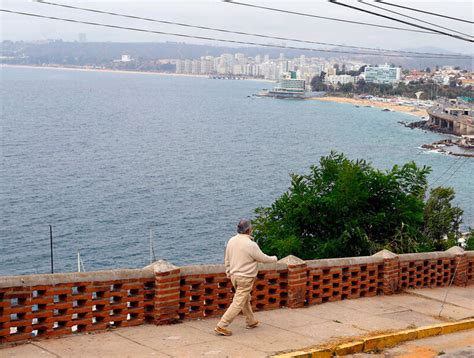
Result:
{"points": [[196, 67], [382, 74], [339, 79], [188, 66], [179, 66], [240, 58]]}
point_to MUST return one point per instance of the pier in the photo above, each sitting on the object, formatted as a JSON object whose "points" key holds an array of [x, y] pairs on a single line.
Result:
{"points": [[456, 120]]}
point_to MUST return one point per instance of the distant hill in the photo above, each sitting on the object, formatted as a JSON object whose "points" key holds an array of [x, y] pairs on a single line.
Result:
{"points": [[95, 53]]}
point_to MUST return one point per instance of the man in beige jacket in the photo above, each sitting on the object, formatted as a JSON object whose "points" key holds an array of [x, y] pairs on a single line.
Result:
{"points": [[241, 257]]}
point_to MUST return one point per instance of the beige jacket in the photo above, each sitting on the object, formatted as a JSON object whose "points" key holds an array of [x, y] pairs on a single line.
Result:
{"points": [[242, 255]]}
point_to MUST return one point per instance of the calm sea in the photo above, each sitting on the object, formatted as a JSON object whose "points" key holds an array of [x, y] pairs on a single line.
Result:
{"points": [[105, 157]]}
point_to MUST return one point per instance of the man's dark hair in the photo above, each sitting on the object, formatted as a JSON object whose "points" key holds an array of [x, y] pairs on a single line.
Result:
{"points": [[243, 226]]}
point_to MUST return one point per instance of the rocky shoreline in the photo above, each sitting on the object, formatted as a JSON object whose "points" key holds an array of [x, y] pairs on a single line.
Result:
{"points": [[443, 145]]}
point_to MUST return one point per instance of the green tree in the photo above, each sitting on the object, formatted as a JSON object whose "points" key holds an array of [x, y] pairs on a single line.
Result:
{"points": [[346, 208], [317, 82], [441, 219], [347, 87], [469, 245]]}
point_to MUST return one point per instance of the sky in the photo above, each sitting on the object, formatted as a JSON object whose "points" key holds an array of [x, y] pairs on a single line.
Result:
{"points": [[216, 13]]}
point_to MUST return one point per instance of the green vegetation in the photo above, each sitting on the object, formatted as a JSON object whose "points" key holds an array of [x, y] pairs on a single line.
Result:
{"points": [[441, 219], [430, 89], [470, 241], [348, 208]]}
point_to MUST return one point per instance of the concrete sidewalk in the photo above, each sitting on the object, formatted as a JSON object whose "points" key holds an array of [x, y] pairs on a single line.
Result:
{"points": [[280, 330]]}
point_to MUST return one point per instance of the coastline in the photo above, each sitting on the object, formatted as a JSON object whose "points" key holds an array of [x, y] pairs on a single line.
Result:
{"points": [[367, 102], [109, 70]]}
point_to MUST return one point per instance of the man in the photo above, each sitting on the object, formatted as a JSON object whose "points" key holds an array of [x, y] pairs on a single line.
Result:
{"points": [[241, 257]]}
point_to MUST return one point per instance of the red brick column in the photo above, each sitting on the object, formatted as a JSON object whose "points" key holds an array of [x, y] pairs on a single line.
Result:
{"points": [[390, 271], [460, 265], [167, 290], [297, 281]]}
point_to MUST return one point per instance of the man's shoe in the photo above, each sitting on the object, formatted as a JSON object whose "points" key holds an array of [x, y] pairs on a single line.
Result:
{"points": [[222, 331], [253, 325]]}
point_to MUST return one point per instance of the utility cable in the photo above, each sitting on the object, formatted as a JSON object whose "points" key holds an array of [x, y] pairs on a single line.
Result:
{"points": [[234, 32], [455, 170], [216, 39], [446, 171], [449, 287], [402, 21], [413, 18], [424, 12], [324, 17]]}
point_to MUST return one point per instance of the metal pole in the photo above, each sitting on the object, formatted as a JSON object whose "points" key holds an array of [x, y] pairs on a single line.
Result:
{"points": [[151, 247], [78, 261], [51, 247]]}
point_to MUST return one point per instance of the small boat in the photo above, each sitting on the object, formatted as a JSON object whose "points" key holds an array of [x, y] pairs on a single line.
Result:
{"points": [[387, 110]]}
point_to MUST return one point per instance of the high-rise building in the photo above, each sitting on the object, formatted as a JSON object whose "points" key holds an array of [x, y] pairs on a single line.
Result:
{"points": [[240, 58], [188, 66], [383, 74], [196, 67], [179, 66], [302, 60], [82, 37], [207, 65]]}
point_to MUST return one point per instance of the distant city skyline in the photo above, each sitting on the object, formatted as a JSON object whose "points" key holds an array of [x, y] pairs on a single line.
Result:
{"points": [[233, 17]]}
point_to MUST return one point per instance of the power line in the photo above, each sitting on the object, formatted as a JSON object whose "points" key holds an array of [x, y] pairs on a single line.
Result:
{"points": [[413, 18], [236, 32], [455, 170], [214, 38], [425, 12], [325, 17], [402, 21], [459, 159]]}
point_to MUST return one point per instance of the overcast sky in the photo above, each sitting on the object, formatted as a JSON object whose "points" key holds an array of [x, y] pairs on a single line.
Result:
{"points": [[219, 14]]}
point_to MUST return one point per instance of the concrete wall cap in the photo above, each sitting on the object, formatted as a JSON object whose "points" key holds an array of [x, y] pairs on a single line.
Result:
{"points": [[455, 250], [469, 253], [385, 254], [344, 261], [202, 269], [425, 256], [272, 266], [71, 277], [163, 266], [219, 268], [291, 260]]}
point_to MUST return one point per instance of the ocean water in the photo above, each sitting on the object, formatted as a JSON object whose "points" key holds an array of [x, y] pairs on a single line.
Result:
{"points": [[105, 157]]}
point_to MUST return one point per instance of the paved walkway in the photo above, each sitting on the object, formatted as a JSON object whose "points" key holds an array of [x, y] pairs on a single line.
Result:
{"points": [[280, 330]]}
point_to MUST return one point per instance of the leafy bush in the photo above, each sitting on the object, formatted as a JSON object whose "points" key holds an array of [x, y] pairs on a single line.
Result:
{"points": [[469, 245], [348, 208]]}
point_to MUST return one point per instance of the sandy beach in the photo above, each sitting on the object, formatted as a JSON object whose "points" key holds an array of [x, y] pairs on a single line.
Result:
{"points": [[108, 70], [419, 112]]}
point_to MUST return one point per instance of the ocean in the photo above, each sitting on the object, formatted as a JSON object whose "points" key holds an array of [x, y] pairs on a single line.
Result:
{"points": [[110, 159]]}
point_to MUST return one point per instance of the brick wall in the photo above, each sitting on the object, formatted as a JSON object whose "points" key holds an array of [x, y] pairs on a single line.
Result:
{"points": [[470, 267], [43, 306], [40, 306]]}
